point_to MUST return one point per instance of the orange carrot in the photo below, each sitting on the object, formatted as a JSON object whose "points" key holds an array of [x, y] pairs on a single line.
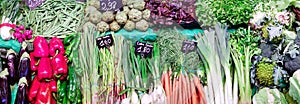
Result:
{"points": [[163, 80], [177, 93], [167, 84], [193, 91], [170, 82], [199, 88], [184, 88], [173, 91], [188, 85], [195, 98]]}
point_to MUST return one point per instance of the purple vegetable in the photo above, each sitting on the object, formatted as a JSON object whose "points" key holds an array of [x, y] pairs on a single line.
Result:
{"points": [[12, 66], [171, 11], [20, 40], [4, 90], [21, 94], [21, 27], [24, 67], [17, 35], [17, 30]]}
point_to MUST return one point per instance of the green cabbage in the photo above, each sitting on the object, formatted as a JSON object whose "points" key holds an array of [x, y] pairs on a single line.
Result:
{"points": [[294, 90], [269, 96]]}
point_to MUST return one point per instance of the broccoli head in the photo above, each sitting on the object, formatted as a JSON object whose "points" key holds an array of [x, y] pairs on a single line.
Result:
{"points": [[264, 73]]}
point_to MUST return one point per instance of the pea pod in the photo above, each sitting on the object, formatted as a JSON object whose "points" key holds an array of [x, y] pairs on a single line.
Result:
{"points": [[61, 93], [72, 85]]}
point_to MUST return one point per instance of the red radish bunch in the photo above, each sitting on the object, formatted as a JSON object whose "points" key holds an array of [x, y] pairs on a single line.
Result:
{"points": [[22, 34]]}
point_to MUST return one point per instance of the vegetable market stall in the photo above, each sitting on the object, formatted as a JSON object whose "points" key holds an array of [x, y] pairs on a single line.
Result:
{"points": [[149, 51]]}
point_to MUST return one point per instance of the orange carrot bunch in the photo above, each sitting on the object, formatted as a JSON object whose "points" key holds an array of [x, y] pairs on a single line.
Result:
{"points": [[182, 89]]}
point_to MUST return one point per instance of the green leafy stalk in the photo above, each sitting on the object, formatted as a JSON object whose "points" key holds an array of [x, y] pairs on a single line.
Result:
{"points": [[243, 48], [89, 59], [214, 49]]}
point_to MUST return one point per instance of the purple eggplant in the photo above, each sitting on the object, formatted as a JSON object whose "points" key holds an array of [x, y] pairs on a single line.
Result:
{"points": [[21, 94], [12, 66], [4, 88], [24, 67], [3, 53]]}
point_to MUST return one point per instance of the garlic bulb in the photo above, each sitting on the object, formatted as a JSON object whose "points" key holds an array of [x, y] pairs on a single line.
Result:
{"points": [[134, 98], [5, 30], [146, 99]]}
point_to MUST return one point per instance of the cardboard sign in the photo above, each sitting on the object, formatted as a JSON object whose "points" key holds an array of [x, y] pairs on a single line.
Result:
{"points": [[188, 46], [110, 5], [143, 49], [105, 41]]}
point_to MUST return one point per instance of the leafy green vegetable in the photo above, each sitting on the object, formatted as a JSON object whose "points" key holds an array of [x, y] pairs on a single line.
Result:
{"points": [[294, 90], [170, 43], [215, 52], [284, 4], [204, 13], [243, 47], [233, 12], [269, 96]]}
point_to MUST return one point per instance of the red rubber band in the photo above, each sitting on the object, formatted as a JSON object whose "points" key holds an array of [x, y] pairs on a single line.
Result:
{"points": [[8, 25]]}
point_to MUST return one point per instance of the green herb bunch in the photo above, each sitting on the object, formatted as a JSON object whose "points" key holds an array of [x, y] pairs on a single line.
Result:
{"points": [[241, 38], [170, 43], [205, 14], [233, 12]]}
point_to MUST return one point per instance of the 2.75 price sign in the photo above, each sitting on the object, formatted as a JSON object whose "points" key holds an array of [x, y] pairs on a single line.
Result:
{"points": [[188, 46]]}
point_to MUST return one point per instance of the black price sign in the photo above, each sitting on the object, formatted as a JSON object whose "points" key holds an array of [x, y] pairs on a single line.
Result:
{"points": [[105, 41], [143, 49], [188, 46], [110, 5]]}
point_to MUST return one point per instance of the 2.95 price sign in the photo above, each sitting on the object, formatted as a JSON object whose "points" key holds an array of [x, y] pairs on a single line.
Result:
{"points": [[105, 41], [188, 46], [143, 49], [110, 5]]}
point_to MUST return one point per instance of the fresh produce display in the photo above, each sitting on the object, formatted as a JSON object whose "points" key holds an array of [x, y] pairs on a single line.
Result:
{"points": [[149, 52]]}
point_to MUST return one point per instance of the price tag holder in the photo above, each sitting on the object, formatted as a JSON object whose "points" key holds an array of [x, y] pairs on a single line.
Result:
{"points": [[188, 46], [110, 5], [105, 41], [143, 49]]}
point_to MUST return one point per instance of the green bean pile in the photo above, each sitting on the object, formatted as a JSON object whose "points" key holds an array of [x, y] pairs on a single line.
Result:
{"points": [[55, 18]]}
